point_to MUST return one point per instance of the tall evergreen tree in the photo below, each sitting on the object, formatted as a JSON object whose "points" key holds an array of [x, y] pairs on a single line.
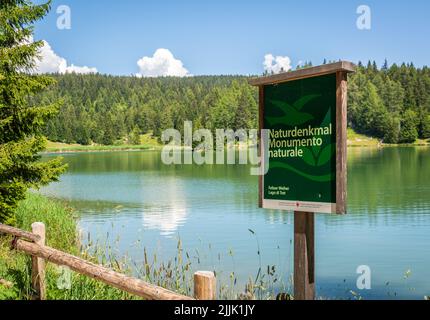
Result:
{"points": [[385, 66], [370, 115], [134, 137], [426, 127], [21, 120], [408, 132], [392, 130], [243, 115], [392, 94]]}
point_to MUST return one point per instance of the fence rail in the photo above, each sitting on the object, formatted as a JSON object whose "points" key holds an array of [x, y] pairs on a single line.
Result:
{"points": [[33, 243]]}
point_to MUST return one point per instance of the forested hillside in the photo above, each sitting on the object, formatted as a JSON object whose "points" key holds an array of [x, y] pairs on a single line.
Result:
{"points": [[391, 103], [107, 109]]}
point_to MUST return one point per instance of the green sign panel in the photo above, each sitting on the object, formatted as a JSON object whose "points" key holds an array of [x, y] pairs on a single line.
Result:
{"points": [[300, 117]]}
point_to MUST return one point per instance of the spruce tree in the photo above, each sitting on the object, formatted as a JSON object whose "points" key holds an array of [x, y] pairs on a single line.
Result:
{"points": [[426, 127], [408, 132], [385, 66], [392, 130], [21, 119], [134, 137], [242, 118], [371, 115]]}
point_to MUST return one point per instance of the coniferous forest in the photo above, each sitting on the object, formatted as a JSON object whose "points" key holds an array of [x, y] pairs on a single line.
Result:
{"points": [[391, 103]]}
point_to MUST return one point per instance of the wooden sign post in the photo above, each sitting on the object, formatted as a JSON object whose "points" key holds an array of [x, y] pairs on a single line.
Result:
{"points": [[305, 115]]}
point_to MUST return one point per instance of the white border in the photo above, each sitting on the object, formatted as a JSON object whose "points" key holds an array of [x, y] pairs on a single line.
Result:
{"points": [[300, 206]]}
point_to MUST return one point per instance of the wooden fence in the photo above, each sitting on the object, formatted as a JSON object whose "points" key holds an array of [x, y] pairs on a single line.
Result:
{"points": [[33, 243]]}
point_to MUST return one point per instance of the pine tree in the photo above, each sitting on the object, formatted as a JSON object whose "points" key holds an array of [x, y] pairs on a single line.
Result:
{"points": [[408, 132], [21, 121], [371, 115], [426, 127], [134, 138], [242, 118], [392, 130], [385, 66], [108, 135], [392, 94]]}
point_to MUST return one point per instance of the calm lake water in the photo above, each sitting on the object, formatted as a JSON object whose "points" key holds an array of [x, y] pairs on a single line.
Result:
{"points": [[131, 200]]}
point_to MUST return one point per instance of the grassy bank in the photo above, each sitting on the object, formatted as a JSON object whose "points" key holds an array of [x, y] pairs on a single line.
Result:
{"points": [[360, 140], [63, 148], [61, 234]]}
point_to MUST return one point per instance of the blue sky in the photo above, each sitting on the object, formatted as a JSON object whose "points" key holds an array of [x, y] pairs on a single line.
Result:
{"points": [[232, 37]]}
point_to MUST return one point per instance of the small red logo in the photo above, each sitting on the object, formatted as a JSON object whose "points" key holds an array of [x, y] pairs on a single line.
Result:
{"points": [[298, 204]]}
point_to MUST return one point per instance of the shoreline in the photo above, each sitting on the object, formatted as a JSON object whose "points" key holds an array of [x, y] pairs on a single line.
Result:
{"points": [[93, 149], [110, 148]]}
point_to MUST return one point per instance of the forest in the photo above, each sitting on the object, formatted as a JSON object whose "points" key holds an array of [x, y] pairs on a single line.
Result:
{"points": [[391, 103]]}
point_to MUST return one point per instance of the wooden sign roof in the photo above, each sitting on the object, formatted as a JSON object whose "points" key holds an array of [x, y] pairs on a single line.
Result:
{"points": [[341, 66]]}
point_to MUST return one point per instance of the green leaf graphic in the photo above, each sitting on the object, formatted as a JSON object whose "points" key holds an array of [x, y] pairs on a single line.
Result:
{"points": [[326, 155], [308, 157], [292, 116], [326, 122], [299, 104]]}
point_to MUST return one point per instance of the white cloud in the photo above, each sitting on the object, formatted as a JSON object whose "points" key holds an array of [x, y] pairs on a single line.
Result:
{"points": [[276, 64], [50, 62], [162, 63], [83, 70]]}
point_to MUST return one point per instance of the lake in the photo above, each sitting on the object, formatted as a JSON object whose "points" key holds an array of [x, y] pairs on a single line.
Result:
{"points": [[131, 200]]}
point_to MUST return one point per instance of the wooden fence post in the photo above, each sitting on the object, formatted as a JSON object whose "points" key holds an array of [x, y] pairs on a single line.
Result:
{"points": [[38, 264], [204, 285]]}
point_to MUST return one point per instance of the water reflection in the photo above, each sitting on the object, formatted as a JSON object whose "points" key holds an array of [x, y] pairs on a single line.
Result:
{"points": [[168, 216]]}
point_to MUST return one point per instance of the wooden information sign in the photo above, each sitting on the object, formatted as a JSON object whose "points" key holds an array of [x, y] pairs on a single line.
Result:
{"points": [[304, 113]]}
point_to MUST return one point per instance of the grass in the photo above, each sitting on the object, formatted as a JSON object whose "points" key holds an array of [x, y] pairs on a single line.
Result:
{"points": [[61, 234], [360, 140], [81, 148], [422, 142]]}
